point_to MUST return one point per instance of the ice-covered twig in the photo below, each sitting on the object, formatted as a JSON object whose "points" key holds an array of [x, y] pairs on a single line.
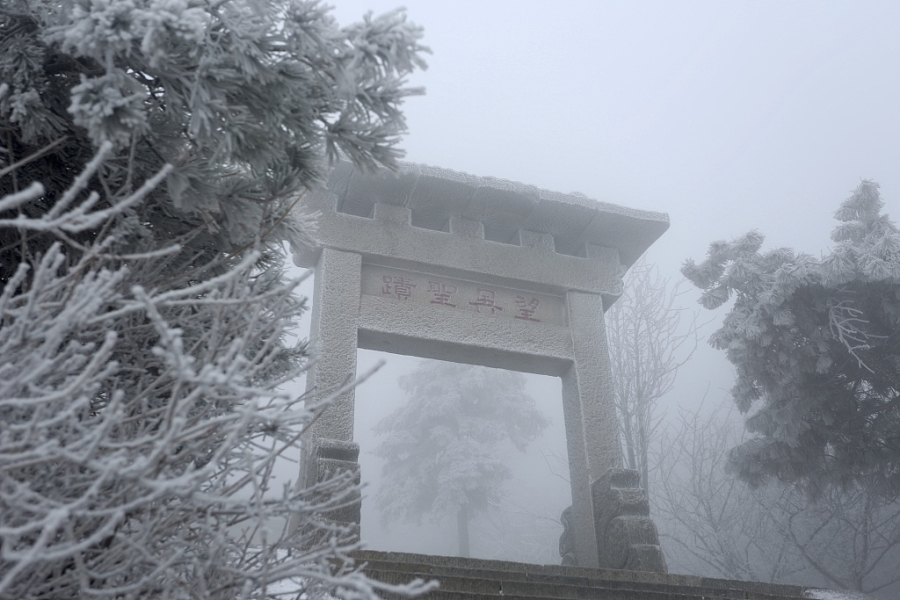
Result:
{"points": [[845, 323], [133, 418]]}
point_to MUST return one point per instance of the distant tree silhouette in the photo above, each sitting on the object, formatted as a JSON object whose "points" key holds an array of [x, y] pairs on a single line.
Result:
{"points": [[440, 449], [647, 345]]}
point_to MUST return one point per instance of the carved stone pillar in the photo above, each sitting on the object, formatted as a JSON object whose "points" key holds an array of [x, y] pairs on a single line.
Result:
{"points": [[626, 536]]}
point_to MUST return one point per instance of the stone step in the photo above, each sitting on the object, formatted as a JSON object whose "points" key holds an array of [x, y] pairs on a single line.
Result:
{"points": [[565, 590], [599, 595], [465, 578]]}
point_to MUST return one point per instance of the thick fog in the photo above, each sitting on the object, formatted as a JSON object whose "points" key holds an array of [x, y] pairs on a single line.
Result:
{"points": [[524, 526], [728, 116]]}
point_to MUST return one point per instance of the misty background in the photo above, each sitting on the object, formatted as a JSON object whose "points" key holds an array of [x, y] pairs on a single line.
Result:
{"points": [[728, 116]]}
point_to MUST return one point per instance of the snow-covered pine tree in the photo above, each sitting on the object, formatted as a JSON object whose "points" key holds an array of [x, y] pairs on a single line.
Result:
{"points": [[245, 99], [816, 349], [441, 448], [151, 155]]}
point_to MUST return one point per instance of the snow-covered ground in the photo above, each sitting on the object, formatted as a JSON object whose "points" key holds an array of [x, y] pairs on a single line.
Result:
{"points": [[835, 595]]}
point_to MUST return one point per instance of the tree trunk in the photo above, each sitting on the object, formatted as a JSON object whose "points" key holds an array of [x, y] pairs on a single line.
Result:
{"points": [[462, 529], [644, 444]]}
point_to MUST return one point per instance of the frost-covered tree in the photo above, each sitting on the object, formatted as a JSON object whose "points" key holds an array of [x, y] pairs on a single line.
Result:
{"points": [[246, 99], [648, 343], [847, 538], [816, 349], [140, 423], [442, 448], [151, 153], [713, 524]]}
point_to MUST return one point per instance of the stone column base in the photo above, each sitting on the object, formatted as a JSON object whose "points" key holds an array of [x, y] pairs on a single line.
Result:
{"points": [[322, 460], [627, 538]]}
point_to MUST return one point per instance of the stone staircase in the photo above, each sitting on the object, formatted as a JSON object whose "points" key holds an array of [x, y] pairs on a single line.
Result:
{"points": [[470, 579]]}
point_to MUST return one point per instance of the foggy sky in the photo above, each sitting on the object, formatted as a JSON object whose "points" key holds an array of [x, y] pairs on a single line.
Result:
{"points": [[729, 116]]}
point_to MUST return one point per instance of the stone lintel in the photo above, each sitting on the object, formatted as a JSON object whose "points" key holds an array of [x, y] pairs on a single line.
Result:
{"points": [[464, 337], [393, 241], [441, 293]]}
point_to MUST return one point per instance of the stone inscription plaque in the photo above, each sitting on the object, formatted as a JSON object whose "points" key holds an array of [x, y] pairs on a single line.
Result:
{"points": [[457, 294]]}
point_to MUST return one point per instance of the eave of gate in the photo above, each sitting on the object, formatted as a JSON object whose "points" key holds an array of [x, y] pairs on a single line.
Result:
{"points": [[390, 239]]}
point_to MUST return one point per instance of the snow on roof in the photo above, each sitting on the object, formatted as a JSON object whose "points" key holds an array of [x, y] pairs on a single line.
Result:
{"points": [[504, 207], [820, 594]]}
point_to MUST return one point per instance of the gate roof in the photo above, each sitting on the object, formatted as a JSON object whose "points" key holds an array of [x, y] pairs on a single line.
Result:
{"points": [[433, 195]]}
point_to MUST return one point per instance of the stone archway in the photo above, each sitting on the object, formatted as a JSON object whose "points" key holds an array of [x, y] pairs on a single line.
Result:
{"points": [[437, 264]]}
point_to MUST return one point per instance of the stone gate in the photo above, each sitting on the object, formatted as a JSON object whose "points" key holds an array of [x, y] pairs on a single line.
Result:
{"points": [[437, 264]]}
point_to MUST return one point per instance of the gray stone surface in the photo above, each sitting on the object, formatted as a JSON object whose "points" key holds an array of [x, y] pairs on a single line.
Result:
{"points": [[457, 252], [626, 536], [437, 264], [464, 337], [460, 577], [405, 288], [504, 207], [333, 333], [327, 459], [567, 539], [594, 383]]}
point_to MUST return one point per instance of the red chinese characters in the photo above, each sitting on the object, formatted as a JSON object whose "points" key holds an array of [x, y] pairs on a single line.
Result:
{"points": [[397, 286], [527, 308], [441, 293], [486, 299]]}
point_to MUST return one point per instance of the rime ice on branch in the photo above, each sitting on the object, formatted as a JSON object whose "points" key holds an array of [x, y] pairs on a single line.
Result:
{"points": [[816, 350], [152, 157]]}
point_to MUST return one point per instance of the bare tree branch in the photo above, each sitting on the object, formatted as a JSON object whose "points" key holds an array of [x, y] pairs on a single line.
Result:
{"points": [[648, 342]]}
